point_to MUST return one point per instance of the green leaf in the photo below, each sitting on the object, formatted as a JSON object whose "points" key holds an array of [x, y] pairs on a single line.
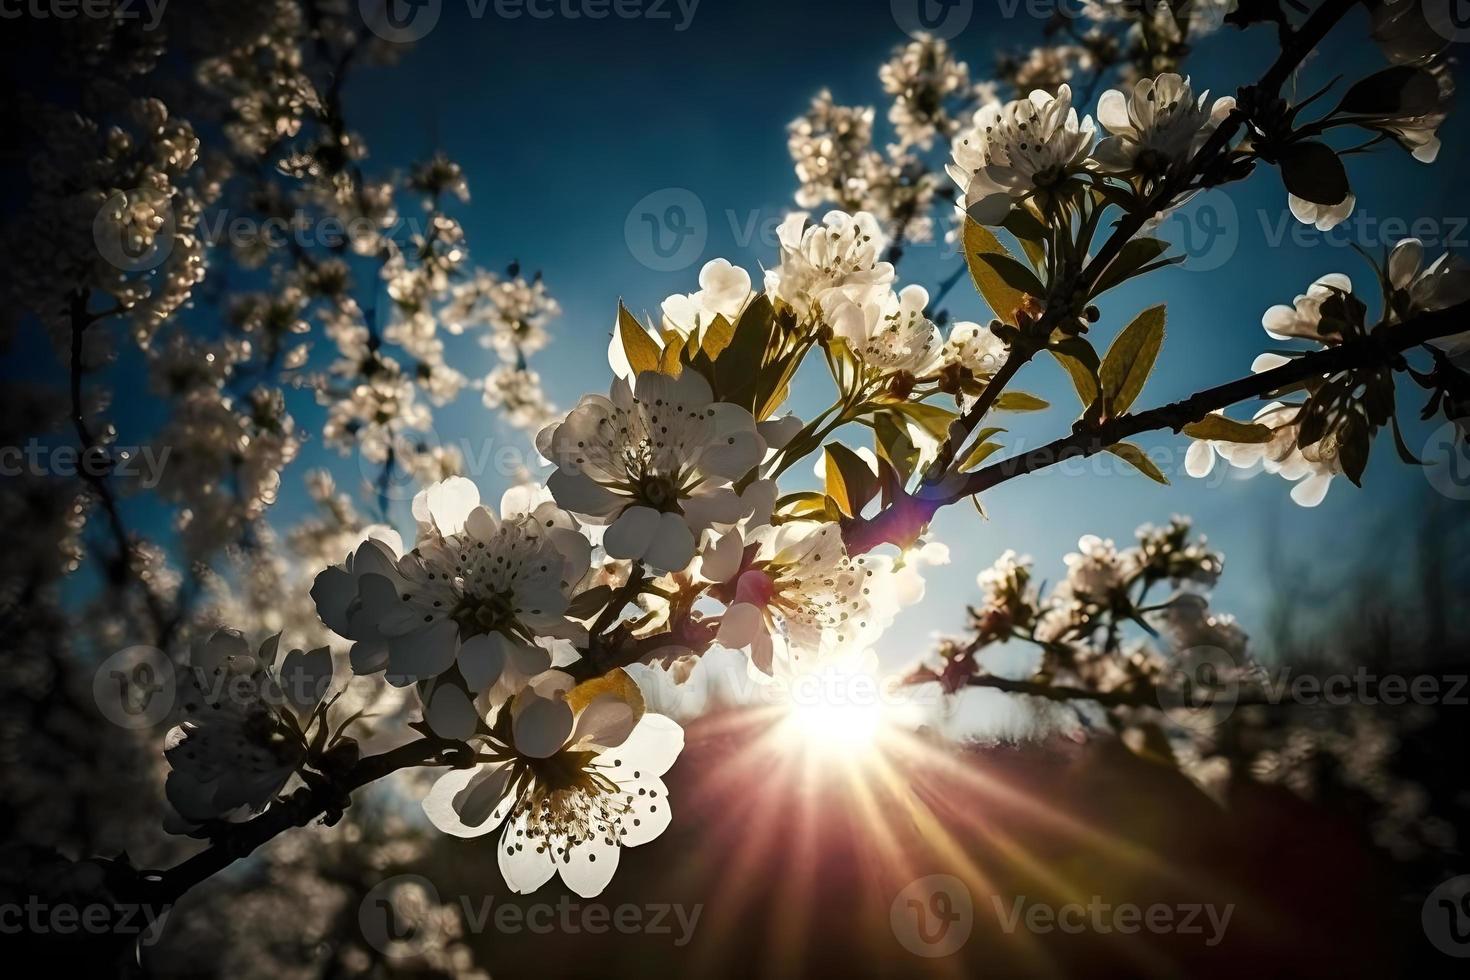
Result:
{"points": [[1081, 363], [1014, 273], [717, 337], [978, 454], [1020, 401], [1139, 460], [1218, 428], [1002, 298], [738, 368], [931, 418], [674, 354], [807, 504], [1130, 359], [1312, 172], [850, 481], [1403, 90], [643, 354], [892, 443], [1132, 259], [1030, 232]]}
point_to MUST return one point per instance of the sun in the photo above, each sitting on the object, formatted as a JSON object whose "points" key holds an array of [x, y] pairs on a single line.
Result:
{"points": [[835, 727]]}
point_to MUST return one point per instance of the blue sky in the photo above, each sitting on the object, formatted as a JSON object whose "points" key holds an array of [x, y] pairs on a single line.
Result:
{"points": [[563, 126]]}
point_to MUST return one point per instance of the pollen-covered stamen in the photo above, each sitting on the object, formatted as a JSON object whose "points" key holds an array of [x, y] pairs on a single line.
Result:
{"points": [[570, 799], [483, 585]]}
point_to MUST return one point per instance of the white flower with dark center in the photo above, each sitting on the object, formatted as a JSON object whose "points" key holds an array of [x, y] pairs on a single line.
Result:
{"points": [[475, 593], [245, 727], [1303, 319], [826, 266], [797, 592], [892, 334], [1020, 148], [1157, 127], [654, 463], [974, 348], [575, 779]]}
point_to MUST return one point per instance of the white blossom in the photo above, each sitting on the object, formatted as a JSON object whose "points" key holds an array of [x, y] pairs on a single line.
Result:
{"points": [[1017, 149], [654, 463], [578, 780], [826, 266], [1156, 127], [474, 594]]}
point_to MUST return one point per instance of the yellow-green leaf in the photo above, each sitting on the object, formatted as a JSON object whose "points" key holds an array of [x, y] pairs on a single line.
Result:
{"points": [[931, 418], [1218, 428], [850, 481], [978, 455], [1003, 298], [717, 337], [1139, 460], [1082, 378], [1130, 360], [1020, 401], [642, 353]]}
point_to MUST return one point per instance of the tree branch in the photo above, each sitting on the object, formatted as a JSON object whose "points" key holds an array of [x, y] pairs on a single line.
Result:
{"points": [[300, 808], [1376, 350], [1299, 44]]}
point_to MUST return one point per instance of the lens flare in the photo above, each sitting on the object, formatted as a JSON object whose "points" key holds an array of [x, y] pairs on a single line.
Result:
{"points": [[835, 727]]}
